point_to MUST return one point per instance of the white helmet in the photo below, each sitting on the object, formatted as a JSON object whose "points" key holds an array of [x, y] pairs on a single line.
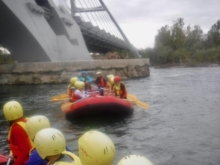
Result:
{"points": [[134, 160], [49, 142], [35, 124], [95, 148]]}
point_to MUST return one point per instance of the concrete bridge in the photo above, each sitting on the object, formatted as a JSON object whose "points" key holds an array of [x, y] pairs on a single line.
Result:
{"points": [[42, 30]]}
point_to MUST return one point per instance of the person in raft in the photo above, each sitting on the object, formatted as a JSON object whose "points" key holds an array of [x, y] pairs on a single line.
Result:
{"points": [[134, 159], [79, 92], [109, 86], [70, 88], [33, 125], [95, 148], [100, 82], [19, 142], [119, 88], [50, 143], [86, 79]]}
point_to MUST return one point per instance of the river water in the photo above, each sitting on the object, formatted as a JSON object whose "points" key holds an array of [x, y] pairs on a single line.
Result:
{"points": [[181, 126]]}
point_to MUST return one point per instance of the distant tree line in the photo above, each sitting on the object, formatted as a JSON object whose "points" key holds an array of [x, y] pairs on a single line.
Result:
{"points": [[180, 44]]}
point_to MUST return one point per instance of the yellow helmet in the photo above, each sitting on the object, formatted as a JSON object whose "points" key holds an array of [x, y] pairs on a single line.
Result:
{"points": [[112, 80], [73, 80], [79, 85], [35, 124], [133, 160], [95, 148], [12, 110], [49, 142], [110, 76]]}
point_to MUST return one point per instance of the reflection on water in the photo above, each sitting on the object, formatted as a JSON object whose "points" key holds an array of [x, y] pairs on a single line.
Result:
{"points": [[180, 127]]}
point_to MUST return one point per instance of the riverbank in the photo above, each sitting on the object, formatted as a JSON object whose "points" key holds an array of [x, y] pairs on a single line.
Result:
{"points": [[60, 72], [177, 65]]}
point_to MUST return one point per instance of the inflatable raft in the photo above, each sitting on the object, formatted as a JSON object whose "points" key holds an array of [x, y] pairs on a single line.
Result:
{"points": [[5, 161], [103, 106]]}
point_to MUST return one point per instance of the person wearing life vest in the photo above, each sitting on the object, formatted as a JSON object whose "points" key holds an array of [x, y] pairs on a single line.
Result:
{"points": [[95, 148], [19, 142], [70, 88], [109, 81], [86, 79], [33, 125], [51, 145], [119, 88], [109, 86], [134, 159], [79, 92], [100, 82]]}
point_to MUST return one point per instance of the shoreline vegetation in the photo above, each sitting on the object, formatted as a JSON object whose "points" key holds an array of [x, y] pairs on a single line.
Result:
{"points": [[184, 65], [184, 46]]}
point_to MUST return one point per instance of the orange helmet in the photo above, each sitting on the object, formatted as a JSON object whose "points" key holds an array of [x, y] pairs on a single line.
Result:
{"points": [[117, 79]]}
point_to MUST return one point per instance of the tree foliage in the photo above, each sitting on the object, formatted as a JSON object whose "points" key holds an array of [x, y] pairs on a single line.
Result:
{"points": [[180, 44]]}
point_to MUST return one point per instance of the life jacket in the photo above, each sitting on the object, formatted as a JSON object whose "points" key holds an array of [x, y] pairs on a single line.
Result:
{"points": [[101, 82], [120, 90], [14, 148], [108, 85], [75, 97], [83, 79], [68, 158]]}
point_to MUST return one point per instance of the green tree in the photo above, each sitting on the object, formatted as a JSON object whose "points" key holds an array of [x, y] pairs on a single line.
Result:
{"points": [[178, 35], [213, 36]]}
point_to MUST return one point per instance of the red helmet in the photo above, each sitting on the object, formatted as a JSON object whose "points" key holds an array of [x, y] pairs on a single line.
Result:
{"points": [[117, 79]]}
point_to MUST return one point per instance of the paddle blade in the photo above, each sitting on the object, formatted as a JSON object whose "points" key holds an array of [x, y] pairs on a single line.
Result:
{"points": [[141, 104], [66, 105], [132, 97], [62, 96], [55, 100]]}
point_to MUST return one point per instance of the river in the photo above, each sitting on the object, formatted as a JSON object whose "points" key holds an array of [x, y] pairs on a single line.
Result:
{"points": [[181, 125]]}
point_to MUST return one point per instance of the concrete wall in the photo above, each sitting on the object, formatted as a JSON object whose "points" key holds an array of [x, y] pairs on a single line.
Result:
{"points": [[60, 72]]}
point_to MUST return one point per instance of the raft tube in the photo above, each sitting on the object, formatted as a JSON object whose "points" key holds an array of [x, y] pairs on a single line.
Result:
{"points": [[5, 160], [107, 106]]}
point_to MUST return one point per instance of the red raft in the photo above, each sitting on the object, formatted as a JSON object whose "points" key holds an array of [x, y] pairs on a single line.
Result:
{"points": [[104, 106], [5, 160]]}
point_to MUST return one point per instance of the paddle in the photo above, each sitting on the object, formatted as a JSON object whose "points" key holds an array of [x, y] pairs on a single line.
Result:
{"points": [[131, 97], [66, 96], [65, 105], [55, 100]]}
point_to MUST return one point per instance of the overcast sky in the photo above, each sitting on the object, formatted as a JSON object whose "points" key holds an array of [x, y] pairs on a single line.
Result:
{"points": [[141, 19]]}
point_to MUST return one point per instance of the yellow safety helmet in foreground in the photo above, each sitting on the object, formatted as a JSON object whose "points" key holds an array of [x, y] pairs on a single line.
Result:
{"points": [[134, 160], [12, 110], [79, 85], [49, 142], [95, 148], [73, 80], [35, 124]]}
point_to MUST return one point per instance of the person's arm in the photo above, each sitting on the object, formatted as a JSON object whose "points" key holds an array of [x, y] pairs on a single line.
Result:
{"points": [[35, 159], [88, 79], [123, 88], [78, 93], [20, 137]]}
